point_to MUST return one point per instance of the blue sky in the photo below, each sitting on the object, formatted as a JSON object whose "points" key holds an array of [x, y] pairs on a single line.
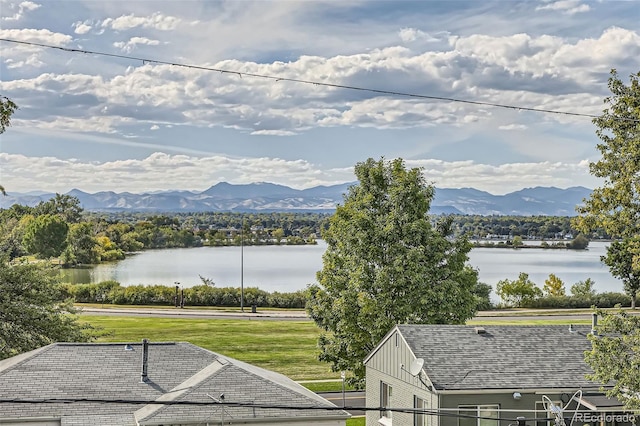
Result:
{"points": [[97, 123]]}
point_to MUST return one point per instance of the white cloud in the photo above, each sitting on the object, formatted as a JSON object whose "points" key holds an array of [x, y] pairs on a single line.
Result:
{"points": [[547, 58], [409, 35], [133, 42], [273, 133], [25, 6], [105, 124], [154, 127], [503, 178], [153, 172], [82, 27], [512, 127], [542, 72], [37, 36], [31, 61], [156, 21], [569, 7]]}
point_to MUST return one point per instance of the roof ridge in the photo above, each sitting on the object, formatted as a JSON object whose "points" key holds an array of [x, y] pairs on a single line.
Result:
{"points": [[303, 391], [16, 360], [184, 388]]}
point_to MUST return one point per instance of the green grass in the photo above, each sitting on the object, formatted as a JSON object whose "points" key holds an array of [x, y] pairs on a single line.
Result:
{"points": [[357, 421], [334, 386], [288, 347]]}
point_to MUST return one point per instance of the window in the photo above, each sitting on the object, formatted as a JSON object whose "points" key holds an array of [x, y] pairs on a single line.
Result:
{"points": [[478, 415], [419, 419], [385, 399]]}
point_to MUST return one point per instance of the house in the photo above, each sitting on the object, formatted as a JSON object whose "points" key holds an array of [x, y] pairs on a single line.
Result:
{"points": [[150, 384], [471, 375]]}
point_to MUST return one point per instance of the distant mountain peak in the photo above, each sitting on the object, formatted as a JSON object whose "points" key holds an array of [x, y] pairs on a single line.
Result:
{"points": [[271, 197]]}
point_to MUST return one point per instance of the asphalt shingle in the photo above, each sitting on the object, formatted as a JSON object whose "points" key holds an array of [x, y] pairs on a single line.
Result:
{"points": [[510, 356], [176, 371]]}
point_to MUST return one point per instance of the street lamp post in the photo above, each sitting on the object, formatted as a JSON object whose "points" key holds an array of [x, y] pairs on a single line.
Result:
{"points": [[343, 375], [242, 264]]}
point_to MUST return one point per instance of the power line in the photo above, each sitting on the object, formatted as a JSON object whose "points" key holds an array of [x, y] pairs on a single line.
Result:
{"points": [[311, 82], [227, 404]]}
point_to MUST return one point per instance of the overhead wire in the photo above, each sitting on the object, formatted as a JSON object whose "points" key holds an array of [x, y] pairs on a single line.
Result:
{"points": [[311, 82], [228, 404]]}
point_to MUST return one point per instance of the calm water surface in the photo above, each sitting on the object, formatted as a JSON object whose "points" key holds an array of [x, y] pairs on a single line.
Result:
{"points": [[291, 268]]}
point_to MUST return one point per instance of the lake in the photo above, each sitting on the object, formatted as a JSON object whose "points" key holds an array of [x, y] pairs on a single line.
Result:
{"points": [[291, 268]]}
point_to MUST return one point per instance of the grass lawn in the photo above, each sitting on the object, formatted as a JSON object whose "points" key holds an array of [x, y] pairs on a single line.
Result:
{"points": [[357, 421], [288, 347]]}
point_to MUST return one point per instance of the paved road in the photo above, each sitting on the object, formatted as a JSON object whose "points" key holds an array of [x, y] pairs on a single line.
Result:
{"points": [[265, 315], [198, 314]]}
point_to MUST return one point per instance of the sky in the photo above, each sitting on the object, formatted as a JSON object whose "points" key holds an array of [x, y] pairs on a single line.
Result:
{"points": [[123, 118]]}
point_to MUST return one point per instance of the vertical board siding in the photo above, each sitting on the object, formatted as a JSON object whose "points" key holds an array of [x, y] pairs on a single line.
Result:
{"points": [[385, 365]]}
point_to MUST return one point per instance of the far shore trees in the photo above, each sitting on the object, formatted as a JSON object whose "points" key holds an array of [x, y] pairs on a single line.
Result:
{"points": [[385, 264], [615, 206]]}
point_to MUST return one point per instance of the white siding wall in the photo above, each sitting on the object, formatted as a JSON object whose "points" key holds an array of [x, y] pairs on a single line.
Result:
{"points": [[385, 365]]}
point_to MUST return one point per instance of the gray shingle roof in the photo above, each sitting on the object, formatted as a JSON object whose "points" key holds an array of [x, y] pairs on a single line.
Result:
{"points": [[176, 371], [505, 357]]}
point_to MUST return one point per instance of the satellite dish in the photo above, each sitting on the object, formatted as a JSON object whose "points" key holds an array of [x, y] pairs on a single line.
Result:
{"points": [[416, 366]]}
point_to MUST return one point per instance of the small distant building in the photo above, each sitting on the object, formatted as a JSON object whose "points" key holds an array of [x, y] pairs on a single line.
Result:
{"points": [[65, 384], [459, 375]]}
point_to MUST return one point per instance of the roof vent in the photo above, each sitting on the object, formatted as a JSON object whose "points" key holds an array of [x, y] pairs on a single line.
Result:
{"points": [[145, 361], [480, 330], [128, 347]]}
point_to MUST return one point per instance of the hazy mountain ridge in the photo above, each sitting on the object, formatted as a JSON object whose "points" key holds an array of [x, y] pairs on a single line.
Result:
{"points": [[268, 197]]}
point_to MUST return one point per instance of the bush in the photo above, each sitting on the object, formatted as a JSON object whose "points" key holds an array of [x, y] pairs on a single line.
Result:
{"points": [[600, 300], [200, 295]]}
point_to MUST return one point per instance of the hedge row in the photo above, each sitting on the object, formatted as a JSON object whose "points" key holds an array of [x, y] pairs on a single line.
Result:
{"points": [[202, 295], [112, 292], [601, 300]]}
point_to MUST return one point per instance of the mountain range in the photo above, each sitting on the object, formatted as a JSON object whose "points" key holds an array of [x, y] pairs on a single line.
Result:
{"points": [[269, 197]]}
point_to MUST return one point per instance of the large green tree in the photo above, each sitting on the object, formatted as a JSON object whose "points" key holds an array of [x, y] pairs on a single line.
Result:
{"points": [[46, 236], [32, 313], [615, 206], [615, 356], [386, 264], [518, 292], [7, 108], [65, 206], [82, 246], [620, 260]]}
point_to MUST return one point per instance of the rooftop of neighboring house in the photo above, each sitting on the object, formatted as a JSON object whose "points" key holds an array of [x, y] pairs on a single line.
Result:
{"points": [[463, 357], [176, 372]]}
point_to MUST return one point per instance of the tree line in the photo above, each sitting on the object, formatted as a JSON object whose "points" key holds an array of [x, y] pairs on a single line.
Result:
{"points": [[59, 228]]}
